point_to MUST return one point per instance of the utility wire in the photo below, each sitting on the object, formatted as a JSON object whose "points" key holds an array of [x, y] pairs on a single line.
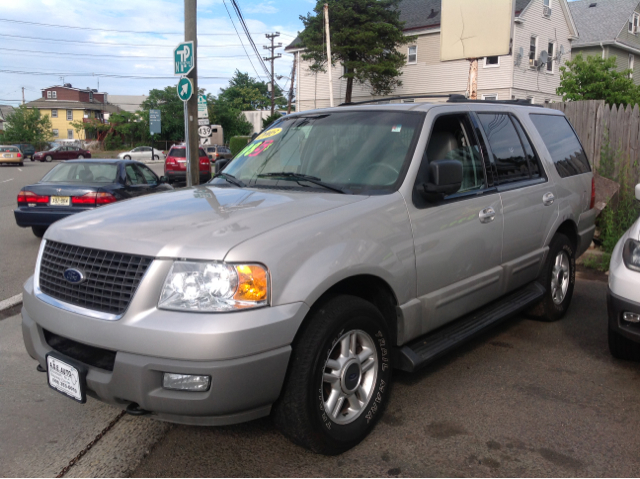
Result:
{"points": [[115, 31], [106, 75], [245, 50], [246, 31], [122, 57]]}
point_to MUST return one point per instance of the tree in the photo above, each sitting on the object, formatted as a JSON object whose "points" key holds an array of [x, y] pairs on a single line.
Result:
{"points": [[27, 125], [246, 93], [171, 112], [595, 78], [365, 37], [232, 121]]}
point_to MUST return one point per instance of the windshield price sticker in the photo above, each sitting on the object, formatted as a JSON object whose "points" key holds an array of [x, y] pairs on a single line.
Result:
{"points": [[269, 133]]}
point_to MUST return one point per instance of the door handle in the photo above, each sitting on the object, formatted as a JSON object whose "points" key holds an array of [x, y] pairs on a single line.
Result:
{"points": [[548, 199], [487, 215]]}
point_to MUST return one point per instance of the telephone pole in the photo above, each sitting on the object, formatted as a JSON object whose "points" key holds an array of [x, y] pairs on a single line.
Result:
{"points": [[23, 95], [191, 34], [293, 79], [272, 36]]}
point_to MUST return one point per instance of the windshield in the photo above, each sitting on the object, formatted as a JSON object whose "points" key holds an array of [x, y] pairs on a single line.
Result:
{"points": [[82, 173], [358, 151]]}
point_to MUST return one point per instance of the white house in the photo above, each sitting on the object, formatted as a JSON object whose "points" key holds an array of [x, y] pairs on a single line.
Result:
{"points": [[540, 25]]}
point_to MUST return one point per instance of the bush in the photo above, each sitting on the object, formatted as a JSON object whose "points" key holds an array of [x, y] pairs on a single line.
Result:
{"points": [[270, 119], [112, 142], [237, 143]]}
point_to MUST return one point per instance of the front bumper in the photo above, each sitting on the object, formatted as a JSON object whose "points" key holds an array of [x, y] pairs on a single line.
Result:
{"points": [[246, 354], [617, 305], [37, 216]]}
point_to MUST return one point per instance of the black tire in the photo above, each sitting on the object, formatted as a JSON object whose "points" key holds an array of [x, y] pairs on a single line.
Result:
{"points": [[300, 412], [48, 158], [549, 309], [39, 231], [127, 157], [156, 157], [32, 159], [21, 163], [622, 347]]}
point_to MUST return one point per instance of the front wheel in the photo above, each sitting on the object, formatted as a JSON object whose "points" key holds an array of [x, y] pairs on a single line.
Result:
{"points": [[48, 158], [339, 377], [80, 157], [127, 157], [558, 276], [39, 231]]}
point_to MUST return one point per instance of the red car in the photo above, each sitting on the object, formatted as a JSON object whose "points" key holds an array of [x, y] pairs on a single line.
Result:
{"points": [[175, 165], [62, 152]]}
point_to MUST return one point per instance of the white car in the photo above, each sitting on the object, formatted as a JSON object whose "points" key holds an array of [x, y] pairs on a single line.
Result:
{"points": [[142, 153], [623, 298]]}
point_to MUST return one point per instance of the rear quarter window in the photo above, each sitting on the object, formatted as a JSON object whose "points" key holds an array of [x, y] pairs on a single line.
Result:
{"points": [[178, 152], [562, 143]]}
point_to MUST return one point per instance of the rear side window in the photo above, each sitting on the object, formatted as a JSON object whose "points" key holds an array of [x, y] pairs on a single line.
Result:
{"points": [[178, 152], [508, 154], [562, 143], [532, 158], [202, 153]]}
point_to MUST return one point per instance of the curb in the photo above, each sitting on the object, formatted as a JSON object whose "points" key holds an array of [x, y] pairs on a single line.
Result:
{"points": [[11, 302]]}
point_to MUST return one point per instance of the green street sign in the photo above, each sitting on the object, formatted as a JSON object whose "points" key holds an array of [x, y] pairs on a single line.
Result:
{"points": [[185, 89], [183, 58]]}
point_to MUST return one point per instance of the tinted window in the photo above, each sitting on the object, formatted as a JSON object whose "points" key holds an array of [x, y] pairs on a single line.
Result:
{"points": [[9, 149], [562, 143], [202, 153], [82, 173], [532, 158], [149, 175], [134, 176], [178, 152], [508, 155]]}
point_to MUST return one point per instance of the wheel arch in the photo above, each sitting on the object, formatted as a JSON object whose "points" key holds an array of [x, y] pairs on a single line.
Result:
{"points": [[570, 230]]}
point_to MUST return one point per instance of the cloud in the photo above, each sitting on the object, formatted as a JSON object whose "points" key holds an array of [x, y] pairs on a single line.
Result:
{"points": [[264, 7]]}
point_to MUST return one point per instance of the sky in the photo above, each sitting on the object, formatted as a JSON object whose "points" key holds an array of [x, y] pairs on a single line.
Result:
{"points": [[134, 38]]}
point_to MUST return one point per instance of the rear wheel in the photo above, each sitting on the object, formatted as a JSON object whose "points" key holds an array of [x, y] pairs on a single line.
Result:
{"points": [[21, 163], [623, 348], [39, 231], [558, 276], [127, 157], [80, 157], [156, 157], [48, 158], [338, 379]]}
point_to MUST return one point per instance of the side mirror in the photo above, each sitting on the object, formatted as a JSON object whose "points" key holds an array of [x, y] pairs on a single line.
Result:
{"points": [[638, 192], [163, 180], [445, 178]]}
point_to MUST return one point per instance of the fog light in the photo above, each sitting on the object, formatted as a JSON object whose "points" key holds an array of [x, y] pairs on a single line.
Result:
{"points": [[631, 317], [186, 382]]}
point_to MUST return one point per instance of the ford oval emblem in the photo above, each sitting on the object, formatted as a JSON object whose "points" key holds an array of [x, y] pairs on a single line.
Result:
{"points": [[73, 276]]}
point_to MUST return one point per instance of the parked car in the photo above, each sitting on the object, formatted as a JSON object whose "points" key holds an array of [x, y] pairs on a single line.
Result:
{"points": [[142, 153], [27, 149], [623, 298], [218, 155], [294, 282], [11, 155], [62, 152], [175, 165], [80, 185]]}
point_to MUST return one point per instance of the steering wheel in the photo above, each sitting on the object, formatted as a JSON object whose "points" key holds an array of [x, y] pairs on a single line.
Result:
{"points": [[383, 165]]}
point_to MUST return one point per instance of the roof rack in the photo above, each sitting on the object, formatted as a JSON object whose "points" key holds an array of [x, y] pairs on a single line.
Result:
{"points": [[451, 98]]}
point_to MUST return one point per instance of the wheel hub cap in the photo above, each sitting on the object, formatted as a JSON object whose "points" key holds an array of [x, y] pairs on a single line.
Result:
{"points": [[560, 277], [349, 376]]}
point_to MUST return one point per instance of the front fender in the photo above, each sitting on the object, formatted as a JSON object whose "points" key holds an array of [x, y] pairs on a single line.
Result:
{"points": [[310, 255]]}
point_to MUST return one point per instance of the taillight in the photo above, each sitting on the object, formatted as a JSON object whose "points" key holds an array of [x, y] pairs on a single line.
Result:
{"points": [[19, 155], [86, 199], [204, 163], [593, 193], [26, 197], [105, 198], [170, 164]]}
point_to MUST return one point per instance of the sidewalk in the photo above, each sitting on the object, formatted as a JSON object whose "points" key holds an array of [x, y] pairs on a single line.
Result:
{"points": [[41, 430]]}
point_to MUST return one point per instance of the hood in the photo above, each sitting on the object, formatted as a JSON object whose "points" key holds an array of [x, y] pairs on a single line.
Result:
{"points": [[203, 222]]}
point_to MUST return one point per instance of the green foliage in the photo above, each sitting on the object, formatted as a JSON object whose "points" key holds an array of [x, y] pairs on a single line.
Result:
{"points": [[595, 78], [245, 93], [27, 125], [365, 37], [597, 262], [171, 113], [620, 214], [112, 141], [270, 119], [237, 143], [232, 121]]}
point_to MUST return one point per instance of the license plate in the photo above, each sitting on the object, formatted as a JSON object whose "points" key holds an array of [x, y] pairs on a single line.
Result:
{"points": [[60, 201], [66, 378], [182, 161], [7, 155]]}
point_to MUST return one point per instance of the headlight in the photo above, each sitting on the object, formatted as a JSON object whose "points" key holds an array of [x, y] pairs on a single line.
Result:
{"points": [[214, 286], [631, 254]]}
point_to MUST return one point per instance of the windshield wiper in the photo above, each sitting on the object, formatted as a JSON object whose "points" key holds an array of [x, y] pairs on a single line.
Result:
{"points": [[300, 177], [230, 178]]}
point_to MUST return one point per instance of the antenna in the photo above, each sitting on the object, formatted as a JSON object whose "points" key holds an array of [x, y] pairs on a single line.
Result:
{"points": [[62, 79], [560, 54], [518, 57], [543, 59]]}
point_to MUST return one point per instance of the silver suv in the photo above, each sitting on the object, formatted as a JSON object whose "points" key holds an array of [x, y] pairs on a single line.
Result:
{"points": [[339, 244]]}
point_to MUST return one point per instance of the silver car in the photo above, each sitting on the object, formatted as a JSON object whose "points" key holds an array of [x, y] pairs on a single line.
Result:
{"points": [[142, 153], [338, 245]]}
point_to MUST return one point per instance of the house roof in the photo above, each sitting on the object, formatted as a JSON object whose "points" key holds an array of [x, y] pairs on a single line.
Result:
{"points": [[602, 22], [72, 105], [420, 14], [73, 88], [5, 110], [129, 103]]}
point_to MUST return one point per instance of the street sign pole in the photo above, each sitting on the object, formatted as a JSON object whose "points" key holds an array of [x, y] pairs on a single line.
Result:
{"points": [[191, 35], [186, 142]]}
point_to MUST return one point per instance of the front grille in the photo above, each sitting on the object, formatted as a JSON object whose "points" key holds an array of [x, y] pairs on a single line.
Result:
{"points": [[96, 357], [111, 278]]}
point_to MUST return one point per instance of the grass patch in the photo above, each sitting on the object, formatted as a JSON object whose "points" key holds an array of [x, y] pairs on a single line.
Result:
{"points": [[598, 262]]}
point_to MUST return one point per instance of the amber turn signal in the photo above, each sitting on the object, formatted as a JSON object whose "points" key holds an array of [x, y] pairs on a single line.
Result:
{"points": [[252, 283]]}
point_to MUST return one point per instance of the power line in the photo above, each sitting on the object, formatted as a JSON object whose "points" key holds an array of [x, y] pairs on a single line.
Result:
{"points": [[92, 55], [22, 37], [243, 24], [106, 75], [115, 31], [245, 50]]}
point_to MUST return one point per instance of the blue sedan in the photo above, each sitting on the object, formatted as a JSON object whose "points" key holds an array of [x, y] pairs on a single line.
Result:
{"points": [[81, 185]]}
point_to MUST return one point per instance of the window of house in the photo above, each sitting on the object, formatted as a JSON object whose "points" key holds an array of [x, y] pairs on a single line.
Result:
{"points": [[412, 56], [55, 132], [634, 21], [491, 62], [69, 115], [533, 51], [48, 94], [54, 94], [90, 96], [54, 113], [550, 52], [546, 3], [345, 70], [70, 134], [491, 97], [506, 148], [632, 59]]}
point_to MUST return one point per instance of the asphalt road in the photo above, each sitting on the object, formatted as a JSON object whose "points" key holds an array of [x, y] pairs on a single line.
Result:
{"points": [[19, 246], [526, 399]]}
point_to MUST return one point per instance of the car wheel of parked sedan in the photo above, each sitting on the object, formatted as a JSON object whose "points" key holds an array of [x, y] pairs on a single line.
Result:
{"points": [[623, 348], [21, 163], [39, 231], [48, 158], [339, 376], [32, 159], [558, 276], [80, 157], [127, 157], [156, 157]]}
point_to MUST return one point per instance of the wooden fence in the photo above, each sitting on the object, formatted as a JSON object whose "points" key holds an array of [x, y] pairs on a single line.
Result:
{"points": [[597, 123]]}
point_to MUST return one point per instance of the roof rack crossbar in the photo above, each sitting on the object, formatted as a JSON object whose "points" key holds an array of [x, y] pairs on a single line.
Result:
{"points": [[451, 98]]}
